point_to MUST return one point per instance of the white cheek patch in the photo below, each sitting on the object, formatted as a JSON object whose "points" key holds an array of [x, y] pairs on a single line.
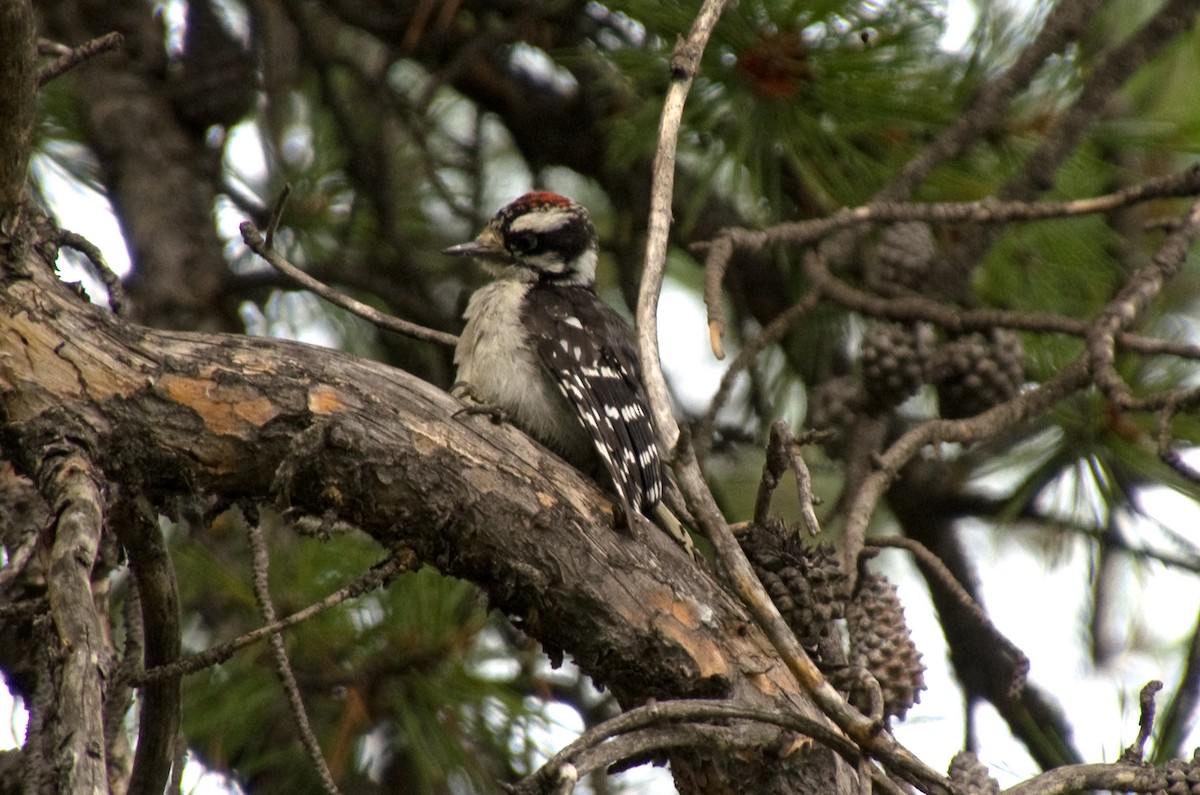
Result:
{"points": [[544, 221]]}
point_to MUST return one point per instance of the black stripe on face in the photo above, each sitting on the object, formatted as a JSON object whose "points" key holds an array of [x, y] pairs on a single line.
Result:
{"points": [[569, 241], [546, 239]]}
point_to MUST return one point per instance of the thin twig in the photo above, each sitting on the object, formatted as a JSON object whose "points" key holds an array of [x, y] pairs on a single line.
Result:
{"points": [[915, 308], [377, 576], [112, 282], [276, 215], [685, 62], [1142, 288], [783, 453], [1070, 379], [775, 463], [692, 710], [1166, 451], [717, 257], [804, 489], [160, 715], [255, 243], [1136, 751], [720, 250], [936, 569], [772, 333], [77, 55], [283, 668]]}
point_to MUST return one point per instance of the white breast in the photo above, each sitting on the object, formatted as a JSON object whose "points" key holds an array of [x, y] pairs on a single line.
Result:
{"points": [[494, 356]]}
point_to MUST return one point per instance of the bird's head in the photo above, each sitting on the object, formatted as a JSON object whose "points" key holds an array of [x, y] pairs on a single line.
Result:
{"points": [[540, 237]]}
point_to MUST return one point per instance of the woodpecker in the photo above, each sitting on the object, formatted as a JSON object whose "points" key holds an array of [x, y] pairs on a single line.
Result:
{"points": [[542, 349]]}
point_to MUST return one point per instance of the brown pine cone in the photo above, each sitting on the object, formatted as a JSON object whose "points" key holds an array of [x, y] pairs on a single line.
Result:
{"points": [[806, 583], [977, 371], [970, 776], [894, 358], [881, 642]]}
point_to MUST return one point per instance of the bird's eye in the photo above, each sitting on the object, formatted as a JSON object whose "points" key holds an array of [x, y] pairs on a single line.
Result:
{"points": [[522, 242]]}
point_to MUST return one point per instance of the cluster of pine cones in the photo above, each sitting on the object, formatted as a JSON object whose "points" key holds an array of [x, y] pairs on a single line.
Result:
{"points": [[810, 590], [971, 372]]}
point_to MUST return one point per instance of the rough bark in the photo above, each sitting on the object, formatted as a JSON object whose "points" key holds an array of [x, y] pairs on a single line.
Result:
{"points": [[323, 434]]}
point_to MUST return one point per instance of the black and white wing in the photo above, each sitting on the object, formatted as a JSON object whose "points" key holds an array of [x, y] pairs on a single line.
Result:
{"points": [[590, 352]]}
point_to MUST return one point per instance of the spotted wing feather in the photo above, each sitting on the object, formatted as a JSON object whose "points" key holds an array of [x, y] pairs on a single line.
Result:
{"points": [[589, 350]]}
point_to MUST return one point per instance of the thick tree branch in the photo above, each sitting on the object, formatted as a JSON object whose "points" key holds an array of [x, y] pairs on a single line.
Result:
{"points": [[324, 434]]}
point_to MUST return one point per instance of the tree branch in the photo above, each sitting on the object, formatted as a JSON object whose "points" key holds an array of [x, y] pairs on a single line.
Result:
{"points": [[325, 434], [74, 489], [18, 101], [264, 249], [160, 715], [684, 65], [283, 666]]}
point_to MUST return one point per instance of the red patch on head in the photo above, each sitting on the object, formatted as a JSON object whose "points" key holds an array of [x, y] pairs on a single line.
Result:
{"points": [[542, 198]]}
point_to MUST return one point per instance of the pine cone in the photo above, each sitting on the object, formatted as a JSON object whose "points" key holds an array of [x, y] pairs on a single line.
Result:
{"points": [[977, 371], [893, 358], [833, 406], [806, 583], [1183, 778], [905, 255], [970, 776], [881, 642]]}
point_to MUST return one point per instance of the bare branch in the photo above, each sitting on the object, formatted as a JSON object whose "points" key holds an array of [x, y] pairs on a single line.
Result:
{"points": [[985, 211], [783, 453], [1166, 450], [1136, 751], [76, 55], [283, 668], [674, 712], [112, 282], [255, 243], [1124, 310], [379, 575], [917, 308], [684, 65], [74, 489], [773, 332], [1083, 778], [1070, 379], [938, 570], [158, 598]]}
